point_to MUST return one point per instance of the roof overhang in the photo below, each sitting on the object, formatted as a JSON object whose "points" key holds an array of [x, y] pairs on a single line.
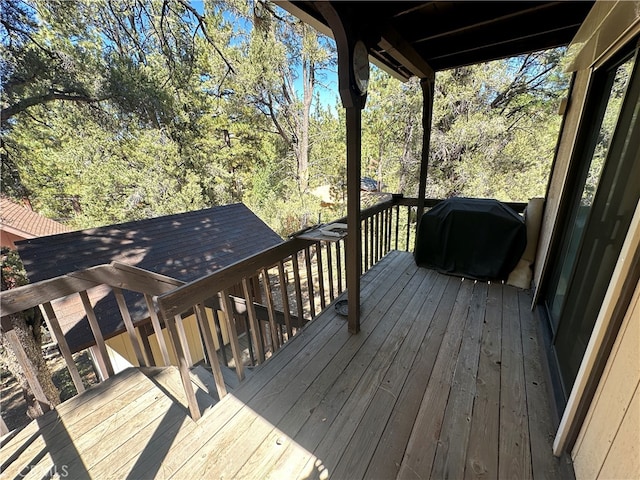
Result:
{"points": [[412, 38]]}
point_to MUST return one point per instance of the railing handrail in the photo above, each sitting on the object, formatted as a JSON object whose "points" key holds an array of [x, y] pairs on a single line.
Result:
{"points": [[114, 274], [182, 298]]}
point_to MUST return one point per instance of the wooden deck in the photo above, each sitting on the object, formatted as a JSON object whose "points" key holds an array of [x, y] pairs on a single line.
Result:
{"points": [[443, 381]]}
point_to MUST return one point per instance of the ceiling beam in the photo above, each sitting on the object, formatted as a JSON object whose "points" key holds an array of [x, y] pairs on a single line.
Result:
{"points": [[398, 48]]}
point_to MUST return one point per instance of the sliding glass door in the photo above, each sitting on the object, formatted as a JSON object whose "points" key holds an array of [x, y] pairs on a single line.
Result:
{"points": [[601, 200]]}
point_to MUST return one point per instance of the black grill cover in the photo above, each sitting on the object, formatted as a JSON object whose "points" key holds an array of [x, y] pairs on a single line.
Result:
{"points": [[471, 237]]}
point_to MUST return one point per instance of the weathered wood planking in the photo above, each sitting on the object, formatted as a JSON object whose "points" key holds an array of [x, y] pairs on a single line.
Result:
{"points": [[451, 453], [421, 449], [391, 447], [514, 455], [541, 426], [271, 406], [421, 386], [482, 451]]}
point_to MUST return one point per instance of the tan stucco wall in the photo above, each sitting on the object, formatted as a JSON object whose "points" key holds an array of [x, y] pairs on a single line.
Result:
{"points": [[608, 445]]}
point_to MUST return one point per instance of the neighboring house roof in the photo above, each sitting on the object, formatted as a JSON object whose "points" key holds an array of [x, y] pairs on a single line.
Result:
{"points": [[21, 222], [185, 246]]}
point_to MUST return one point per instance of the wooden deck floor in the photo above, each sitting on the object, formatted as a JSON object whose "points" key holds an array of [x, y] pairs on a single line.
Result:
{"points": [[443, 381]]}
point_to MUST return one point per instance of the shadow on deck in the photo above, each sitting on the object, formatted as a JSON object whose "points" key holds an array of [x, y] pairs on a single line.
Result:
{"points": [[444, 380]]}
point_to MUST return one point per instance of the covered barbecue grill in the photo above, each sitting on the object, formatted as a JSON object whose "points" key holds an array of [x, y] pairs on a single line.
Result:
{"points": [[474, 238]]}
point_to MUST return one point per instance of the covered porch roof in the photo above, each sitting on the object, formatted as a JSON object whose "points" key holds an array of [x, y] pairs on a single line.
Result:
{"points": [[417, 39], [403, 35]]}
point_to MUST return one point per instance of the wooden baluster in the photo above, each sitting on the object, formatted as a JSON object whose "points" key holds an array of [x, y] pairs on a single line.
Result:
{"points": [[378, 235], [223, 348], [320, 267], [388, 218], [330, 270], [371, 244], [365, 244], [63, 346], [339, 265], [183, 366], [298, 288], [406, 248], [128, 324], [103, 356], [253, 320], [227, 308], [397, 225], [28, 369], [205, 328], [285, 299], [182, 335], [157, 329], [252, 354], [275, 344], [312, 298]]}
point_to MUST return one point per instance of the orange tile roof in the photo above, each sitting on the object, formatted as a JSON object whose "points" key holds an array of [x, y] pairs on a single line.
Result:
{"points": [[25, 222]]}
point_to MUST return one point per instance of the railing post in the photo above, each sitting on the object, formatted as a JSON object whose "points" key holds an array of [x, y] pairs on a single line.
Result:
{"points": [[63, 346], [205, 328], [155, 322], [227, 308], [275, 341], [128, 323], [253, 320], [28, 369], [183, 367], [97, 334]]}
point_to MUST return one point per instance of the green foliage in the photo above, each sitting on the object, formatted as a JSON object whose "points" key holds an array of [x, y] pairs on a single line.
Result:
{"points": [[13, 272], [116, 110]]}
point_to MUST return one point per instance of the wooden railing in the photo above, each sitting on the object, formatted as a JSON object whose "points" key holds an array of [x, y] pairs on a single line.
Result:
{"points": [[117, 278], [268, 297]]}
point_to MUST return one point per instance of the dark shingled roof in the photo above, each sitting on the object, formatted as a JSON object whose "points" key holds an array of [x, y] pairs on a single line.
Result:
{"points": [[185, 246]]}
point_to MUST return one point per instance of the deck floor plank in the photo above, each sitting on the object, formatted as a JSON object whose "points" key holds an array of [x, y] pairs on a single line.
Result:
{"points": [[421, 448], [514, 455], [451, 451], [392, 444], [443, 381], [541, 426], [285, 391], [482, 455]]}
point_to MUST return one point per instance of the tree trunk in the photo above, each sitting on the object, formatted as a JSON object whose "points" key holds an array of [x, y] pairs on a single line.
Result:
{"points": [[31, 344]]}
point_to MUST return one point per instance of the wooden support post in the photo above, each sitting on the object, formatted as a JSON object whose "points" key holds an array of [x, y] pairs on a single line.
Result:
{"points": [[354, 245], [253, 321], [227, 308], [183, 367], [427, 85]]}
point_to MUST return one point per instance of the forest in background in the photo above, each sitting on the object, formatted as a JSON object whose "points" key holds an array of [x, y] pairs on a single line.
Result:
{"points": [[116, 110]]}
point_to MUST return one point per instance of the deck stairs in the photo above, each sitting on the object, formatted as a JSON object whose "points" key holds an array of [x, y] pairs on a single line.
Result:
{"points": [[111, 418], [167, 379]]}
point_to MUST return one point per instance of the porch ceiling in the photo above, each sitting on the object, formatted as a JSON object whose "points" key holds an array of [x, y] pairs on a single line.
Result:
{"points": [[451, 34]]}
